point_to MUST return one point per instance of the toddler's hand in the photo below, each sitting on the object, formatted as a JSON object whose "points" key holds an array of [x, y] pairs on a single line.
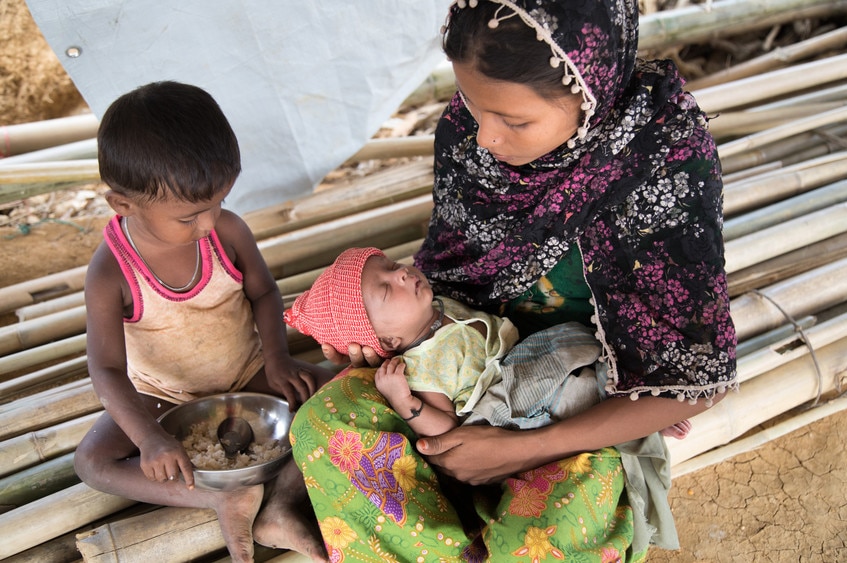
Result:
{"points": [[163, 459]]}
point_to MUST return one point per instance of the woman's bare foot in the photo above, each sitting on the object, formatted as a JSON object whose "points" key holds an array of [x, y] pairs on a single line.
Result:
{"points": [[679, 430], [236, 512], [290, 526]]}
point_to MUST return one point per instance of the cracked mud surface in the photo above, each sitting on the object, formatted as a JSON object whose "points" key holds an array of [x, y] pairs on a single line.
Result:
{"points": [[785, 501]]}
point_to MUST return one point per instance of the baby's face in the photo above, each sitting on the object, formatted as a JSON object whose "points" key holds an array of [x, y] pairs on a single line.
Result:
{"points": [[398, 299]]}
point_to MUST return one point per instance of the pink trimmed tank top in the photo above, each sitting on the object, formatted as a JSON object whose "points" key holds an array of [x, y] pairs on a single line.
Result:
{"points": [[181, 346]]}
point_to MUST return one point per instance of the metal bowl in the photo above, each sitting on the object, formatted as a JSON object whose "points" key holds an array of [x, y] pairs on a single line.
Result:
{"points": [[268, 416]]}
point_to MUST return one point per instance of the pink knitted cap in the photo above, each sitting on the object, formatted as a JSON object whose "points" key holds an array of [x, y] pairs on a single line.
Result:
{"points": [[332, 311]]}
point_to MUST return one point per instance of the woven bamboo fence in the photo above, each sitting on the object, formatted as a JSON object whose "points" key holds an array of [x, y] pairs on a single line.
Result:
{"points": [[780, 130]]}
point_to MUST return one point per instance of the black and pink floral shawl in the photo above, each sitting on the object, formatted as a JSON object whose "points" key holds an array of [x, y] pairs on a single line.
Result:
{"points": [[640, 195]]}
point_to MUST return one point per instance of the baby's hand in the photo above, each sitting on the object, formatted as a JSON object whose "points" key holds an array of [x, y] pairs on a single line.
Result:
{"points": [[390, 379]]}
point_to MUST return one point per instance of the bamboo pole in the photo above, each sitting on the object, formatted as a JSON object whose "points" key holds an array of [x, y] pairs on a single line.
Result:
{"points": [[779, 57], [395, 147], [26, 359], [26, 137], [30, 449], [26, 293], [57, 550], [790, 235], [736, 123], [785, 210], [698, 23], [37, 482], [772, 337], [55, 305], [381, 188], [74, 367], [756, 140], [48, 408], [41, 330], [834, 93], [770, 187], [749, 172], [52, 516], [772, 393], [315, 246], [760, 438], [786, 265], [439, 85], [757, 89], [164, 534], [787, 151], [27, 180], [805, 294], [76, 150], [791, 347]]}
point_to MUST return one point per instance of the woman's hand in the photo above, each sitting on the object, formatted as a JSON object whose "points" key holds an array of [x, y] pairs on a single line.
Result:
{"points": [[358, 356], [479, 454]]}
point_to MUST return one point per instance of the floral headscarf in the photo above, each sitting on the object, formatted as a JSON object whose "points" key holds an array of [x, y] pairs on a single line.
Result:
{"points": [[497, 228], [638, 189]]}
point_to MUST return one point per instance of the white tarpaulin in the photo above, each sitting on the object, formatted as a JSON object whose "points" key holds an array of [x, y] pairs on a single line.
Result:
{"points": [[305, 84]]}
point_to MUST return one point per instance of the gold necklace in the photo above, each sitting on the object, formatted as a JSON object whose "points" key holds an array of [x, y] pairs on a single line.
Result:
{"points": [[125, 229]]}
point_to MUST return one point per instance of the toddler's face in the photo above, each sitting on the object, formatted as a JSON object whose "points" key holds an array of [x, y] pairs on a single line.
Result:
{"points": [[398, 299], [176, 222]]}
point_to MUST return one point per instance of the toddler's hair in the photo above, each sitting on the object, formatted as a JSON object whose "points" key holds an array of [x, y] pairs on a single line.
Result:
{"points": [[167, 139]]}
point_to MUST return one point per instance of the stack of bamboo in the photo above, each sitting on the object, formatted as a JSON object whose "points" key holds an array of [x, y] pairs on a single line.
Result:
{"points": [[781, 138]]}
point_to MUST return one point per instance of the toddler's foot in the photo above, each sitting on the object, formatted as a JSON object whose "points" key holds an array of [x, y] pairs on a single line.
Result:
{"points": [[290, 526], [236, 514], [679, 430]]}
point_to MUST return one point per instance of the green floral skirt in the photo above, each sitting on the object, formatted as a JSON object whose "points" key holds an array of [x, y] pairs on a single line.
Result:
{"points": [[377, 499]]}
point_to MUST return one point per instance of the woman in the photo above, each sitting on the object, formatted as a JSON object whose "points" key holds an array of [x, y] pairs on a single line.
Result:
{"points": [[572, 182]]}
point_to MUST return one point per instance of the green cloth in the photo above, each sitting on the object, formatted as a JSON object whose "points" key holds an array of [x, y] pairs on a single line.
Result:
{"points": [[560, 296], [376, 499]]}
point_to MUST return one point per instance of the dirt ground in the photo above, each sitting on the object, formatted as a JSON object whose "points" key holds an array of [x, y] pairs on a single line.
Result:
{"points": [[784, 502]]}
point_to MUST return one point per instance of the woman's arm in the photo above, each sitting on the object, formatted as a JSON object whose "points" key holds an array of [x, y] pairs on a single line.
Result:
{"points": [[484, 454]]}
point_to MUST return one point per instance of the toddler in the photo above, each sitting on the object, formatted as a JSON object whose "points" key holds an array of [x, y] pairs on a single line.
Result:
{"points": [[180, 304]]}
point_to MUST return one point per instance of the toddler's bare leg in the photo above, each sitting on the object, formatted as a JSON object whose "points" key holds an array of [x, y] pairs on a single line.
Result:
{"points": [[287, 521], [108, 461]]}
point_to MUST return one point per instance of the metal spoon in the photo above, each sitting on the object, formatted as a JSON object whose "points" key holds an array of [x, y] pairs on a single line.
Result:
{"points": [[235, 435]]}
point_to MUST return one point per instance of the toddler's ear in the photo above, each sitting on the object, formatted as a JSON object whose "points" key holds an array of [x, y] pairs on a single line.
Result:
{"points": [[390, 343], [121, 204]]}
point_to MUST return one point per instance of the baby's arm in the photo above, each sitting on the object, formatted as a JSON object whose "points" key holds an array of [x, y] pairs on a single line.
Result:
{"points": [[428, 413], [296, 381], [161, 454]]}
